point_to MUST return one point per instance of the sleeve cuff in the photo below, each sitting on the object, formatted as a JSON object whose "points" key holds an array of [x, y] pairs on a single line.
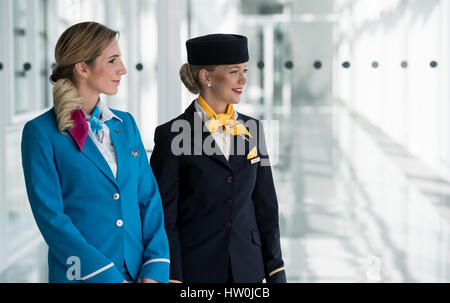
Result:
{"points": [[156, 269], [106, 274], [277, 276]]}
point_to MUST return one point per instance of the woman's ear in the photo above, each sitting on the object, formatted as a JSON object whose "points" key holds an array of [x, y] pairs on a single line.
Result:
{"points": [[204, 77], [81, 69]]}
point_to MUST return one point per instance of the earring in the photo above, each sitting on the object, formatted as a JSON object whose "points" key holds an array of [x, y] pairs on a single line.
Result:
{"points": [[209, 84]]}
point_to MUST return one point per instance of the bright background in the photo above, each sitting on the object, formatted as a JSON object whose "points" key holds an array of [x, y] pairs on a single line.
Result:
{"points": [[355, 94]]}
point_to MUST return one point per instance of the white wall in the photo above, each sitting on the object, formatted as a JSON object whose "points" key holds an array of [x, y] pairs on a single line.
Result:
{"points": [[411, 105]]}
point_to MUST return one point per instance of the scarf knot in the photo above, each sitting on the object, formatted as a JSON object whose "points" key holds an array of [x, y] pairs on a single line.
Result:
{"points": [[94, 122], [226, 120]]}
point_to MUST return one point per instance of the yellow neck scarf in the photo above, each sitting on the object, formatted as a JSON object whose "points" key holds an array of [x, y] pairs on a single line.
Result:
{"points": [[226, 120]]}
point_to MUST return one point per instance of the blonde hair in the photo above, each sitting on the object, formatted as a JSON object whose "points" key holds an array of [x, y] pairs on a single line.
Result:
{"points": [[82, 42], [189, 74]]}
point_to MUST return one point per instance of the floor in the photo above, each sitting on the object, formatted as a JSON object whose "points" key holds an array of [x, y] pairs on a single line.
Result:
{"points": [[349, 211]]}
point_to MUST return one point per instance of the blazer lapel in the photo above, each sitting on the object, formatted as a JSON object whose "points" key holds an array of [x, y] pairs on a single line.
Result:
{"points": [[80, 130], [116, 133], [91, 151], [240, 149], [80, 138], [218, 155]]}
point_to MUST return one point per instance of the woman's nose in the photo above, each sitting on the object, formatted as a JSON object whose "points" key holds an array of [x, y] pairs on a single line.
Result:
{"points": [[243, 79], [123, 69]]}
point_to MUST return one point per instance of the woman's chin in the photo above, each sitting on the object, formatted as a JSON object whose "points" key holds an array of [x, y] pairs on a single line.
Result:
{"points": [[236, 100], [111, 92]]}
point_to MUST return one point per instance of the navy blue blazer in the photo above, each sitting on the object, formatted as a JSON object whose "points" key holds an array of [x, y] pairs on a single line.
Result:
{"points": [[217, 211], [97, 226]]}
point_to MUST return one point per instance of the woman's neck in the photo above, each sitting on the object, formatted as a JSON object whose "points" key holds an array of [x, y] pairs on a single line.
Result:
{"points": [[89, 97], [219, 107]]}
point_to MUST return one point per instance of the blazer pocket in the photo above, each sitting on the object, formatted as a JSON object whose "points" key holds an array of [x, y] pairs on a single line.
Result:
{"points": [[256, 237]]}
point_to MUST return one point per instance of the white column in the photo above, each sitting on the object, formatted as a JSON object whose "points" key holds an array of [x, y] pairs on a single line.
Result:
{"points": [[169, 15], [34, 93], [134, 101], [445, 91], [268, 70]]}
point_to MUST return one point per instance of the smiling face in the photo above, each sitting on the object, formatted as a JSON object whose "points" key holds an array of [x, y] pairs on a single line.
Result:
{"points": [[227, 82], [104, 75]]}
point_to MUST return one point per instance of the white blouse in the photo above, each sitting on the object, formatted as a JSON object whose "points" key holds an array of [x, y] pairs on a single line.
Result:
{"points": [[103, 140], [221, 136]]}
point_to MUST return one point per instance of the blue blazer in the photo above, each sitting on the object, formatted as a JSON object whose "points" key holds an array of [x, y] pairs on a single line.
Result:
{"points": [[96, 226]]}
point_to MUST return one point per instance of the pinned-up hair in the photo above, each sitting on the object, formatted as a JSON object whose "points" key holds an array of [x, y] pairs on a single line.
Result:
{"points": [[82, 42]]}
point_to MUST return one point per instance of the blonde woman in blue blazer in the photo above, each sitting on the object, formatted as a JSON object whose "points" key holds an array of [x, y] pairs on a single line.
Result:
{"points": [[88, 179]]}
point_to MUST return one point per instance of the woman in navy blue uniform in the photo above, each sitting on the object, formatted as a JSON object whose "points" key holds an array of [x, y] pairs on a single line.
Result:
{"points": [[89, 183], [214, 176]]}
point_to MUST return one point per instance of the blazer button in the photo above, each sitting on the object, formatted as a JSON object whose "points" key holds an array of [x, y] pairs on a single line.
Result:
{"points": [[116, 196], [228, 225], [230, 179], [229, 202], [119, 223]]}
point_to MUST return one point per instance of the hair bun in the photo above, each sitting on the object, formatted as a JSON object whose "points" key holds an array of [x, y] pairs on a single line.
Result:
{"points": [[53, 78], [188, 78]]}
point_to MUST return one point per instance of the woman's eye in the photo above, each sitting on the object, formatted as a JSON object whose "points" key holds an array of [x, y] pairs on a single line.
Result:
{"points": [[112, 61], [236, 71]]}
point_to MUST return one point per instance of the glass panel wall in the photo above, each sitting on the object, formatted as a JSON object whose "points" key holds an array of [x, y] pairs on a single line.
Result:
{"points": [[116, 18], [146, 68], [29, 98], [22, 64], [31, 68], [44, 60]]}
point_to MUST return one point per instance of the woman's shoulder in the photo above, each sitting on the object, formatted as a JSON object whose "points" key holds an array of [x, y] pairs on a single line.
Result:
{"points": [[168, 126], [254, 125], [126, 118], [246, 118], [122, 114], [45, 120], [41, 127], [250, 122]]}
